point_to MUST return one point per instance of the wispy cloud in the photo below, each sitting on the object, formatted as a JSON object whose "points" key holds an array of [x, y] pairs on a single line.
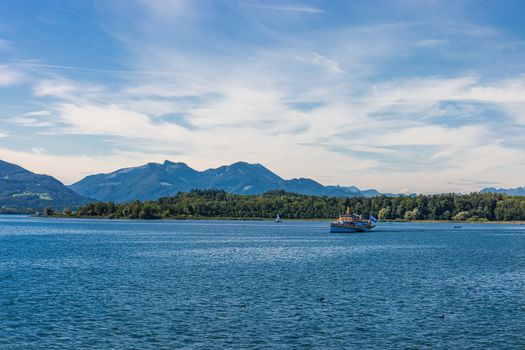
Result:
{"points": [[3, 44], [10, 76], [30, 122], [37, 150], [471, 182], [167, 8], [431, 42], [36, 119], [329, 64], [37, 114], [56, 67], [290, 8], [66, 89]]}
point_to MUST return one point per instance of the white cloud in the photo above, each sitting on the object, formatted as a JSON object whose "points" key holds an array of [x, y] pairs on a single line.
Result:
{"points": [[10, 76], [114, 120], [508, 91], [252, 120]]}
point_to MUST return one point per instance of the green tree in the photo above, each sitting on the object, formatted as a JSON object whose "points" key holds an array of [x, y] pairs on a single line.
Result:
{"points": [[384, 213], [411, 214], [461, 216]]}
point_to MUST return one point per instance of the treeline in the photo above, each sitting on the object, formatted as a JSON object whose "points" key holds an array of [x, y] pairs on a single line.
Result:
{"points": [[219, 204], [16, 211]]}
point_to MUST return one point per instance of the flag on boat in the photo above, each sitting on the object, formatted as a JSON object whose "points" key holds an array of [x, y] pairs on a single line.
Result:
{"points": [[373, 219]]}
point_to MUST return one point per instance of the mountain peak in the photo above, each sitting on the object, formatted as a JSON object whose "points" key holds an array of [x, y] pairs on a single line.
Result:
{"points": [[170, 164], [242, 164], [246, 165]]}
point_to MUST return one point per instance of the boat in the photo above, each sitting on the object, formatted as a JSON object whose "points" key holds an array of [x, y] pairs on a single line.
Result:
{"points": [[278, 218], [352, 222]]}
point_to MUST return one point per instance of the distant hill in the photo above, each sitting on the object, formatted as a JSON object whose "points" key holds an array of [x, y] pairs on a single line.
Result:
{"points": [[154, 180], [22, 189], [518, 191]]}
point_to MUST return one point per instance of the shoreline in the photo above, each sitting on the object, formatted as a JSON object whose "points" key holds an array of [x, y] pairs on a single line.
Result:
{"points": [[327, 220]]}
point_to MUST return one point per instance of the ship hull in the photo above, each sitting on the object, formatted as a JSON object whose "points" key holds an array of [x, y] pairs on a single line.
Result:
{"points": [[347, 229]]}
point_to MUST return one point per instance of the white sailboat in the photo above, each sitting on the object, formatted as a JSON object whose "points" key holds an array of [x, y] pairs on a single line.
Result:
{"points": [[278, 218]]}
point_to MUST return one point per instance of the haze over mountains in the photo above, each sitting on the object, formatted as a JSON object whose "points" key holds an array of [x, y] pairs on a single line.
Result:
{"points": [[20, 188], [154, 180]]}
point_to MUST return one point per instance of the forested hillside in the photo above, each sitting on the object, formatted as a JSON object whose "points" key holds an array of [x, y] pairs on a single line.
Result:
{"points": [[22, 191], [215, 203]]}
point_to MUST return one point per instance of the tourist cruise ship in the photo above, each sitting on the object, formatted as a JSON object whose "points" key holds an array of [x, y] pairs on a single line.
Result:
{"points": [[351, 222]]}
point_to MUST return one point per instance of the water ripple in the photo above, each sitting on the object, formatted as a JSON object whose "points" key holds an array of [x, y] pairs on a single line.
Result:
{"points": [[164, 285]]}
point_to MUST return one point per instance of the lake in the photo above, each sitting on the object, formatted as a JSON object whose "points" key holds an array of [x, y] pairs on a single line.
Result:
{"points": [[100, 284]]}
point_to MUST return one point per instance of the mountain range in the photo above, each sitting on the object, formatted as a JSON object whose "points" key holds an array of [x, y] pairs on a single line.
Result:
{"points": [[22, 189], [154, 180], [518, 191]]}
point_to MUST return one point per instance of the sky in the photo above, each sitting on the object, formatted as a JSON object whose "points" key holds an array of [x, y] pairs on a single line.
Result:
{"points": [[402, 96]]}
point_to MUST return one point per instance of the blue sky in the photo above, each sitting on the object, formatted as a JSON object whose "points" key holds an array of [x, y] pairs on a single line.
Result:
{"points": [[402, 96]]}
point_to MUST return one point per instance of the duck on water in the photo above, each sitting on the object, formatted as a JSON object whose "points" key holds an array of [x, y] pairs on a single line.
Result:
{"points": [[352, 222]]}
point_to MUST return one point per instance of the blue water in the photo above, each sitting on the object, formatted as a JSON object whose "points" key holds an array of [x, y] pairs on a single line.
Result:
{"points": [[80, 284]]}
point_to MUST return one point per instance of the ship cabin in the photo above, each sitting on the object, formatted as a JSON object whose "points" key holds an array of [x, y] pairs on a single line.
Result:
{"points": [[348, 217]]}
